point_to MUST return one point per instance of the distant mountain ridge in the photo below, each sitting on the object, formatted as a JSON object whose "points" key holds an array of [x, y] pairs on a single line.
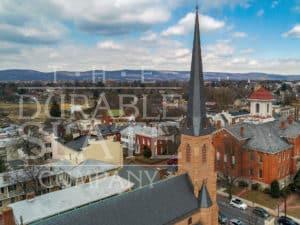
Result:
{"points": [[127, 75]]}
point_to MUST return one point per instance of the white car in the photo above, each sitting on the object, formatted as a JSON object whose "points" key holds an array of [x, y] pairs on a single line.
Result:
{"points": [[237, 203]]}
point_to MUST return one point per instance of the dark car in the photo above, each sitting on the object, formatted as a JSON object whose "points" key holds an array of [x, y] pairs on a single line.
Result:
{"points": [[172, 161], [222, 218], [261, 212], [283, 220]]}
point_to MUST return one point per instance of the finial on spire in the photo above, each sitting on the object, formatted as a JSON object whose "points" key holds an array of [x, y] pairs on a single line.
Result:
{"points": [[197, 5]]}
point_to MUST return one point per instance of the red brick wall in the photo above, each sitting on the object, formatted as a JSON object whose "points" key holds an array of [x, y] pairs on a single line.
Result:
{"points": [[248, 163]]}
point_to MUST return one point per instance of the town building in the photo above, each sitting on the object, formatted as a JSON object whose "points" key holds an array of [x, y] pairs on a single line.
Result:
{"points": [[262, 148], [87, 147], [44, 206], [186, 199], [161, 138], [19, 184]]}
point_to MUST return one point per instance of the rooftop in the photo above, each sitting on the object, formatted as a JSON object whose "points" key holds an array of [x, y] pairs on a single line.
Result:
{"points": [[267, 137], [161, 203], [261, 94], [57, 202]]}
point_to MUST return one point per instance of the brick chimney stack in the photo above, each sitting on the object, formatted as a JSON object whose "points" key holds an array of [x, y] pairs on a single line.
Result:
{"points": [[8, 216], [282, 125], [242, 129], [290, 119]]}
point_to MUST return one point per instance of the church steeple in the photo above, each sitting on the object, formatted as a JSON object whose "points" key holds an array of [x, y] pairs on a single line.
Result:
{"points": [[196, 121]]}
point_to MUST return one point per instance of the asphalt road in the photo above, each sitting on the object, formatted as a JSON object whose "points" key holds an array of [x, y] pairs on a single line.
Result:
{"points": [[247, 217]]}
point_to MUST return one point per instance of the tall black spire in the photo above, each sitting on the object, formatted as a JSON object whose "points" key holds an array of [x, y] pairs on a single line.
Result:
{"points": [[196, 121]]}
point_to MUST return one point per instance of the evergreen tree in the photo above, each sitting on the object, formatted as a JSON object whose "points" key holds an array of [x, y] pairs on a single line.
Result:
{"points": [[275, 189], [55, 110], [297, 180], [2, 166]]}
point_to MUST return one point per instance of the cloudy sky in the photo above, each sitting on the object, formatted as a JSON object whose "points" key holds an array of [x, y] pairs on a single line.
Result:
{"points": [[76, 35]]}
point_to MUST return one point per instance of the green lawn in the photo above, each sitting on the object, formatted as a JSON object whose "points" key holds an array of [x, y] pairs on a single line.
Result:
{"points": [[294, 212], [261, 198], [235, 190]]}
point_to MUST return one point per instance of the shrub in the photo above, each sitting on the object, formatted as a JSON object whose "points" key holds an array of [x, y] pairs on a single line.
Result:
{"points": [[275, 189], [243, 184], [267, 191], [147, 153], [255, 187]]}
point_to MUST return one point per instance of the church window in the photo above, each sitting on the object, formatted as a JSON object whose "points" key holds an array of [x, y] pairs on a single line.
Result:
{"points": [[188, 153], [257, 107], [190, 221], [204, 154], [225, 158], [218, 156], [260, 173]]}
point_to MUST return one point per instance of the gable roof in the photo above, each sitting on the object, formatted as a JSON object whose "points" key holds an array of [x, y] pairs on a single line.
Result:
{"points": [[261, 94], [161, 203], [78, 143]]}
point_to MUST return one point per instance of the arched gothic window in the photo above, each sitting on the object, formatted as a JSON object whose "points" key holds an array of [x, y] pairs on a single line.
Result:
{"points": [[204, 154], [188, 153]]}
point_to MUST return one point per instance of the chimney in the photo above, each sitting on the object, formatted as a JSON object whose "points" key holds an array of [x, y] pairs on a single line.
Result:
{"points": [[290, 119], [218, 125], [30, 196], [282, 125], [8, 216], [242, 129]]}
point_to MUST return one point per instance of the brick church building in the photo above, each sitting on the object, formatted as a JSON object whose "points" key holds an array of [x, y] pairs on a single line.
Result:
{"points": [[261, 149], [186, 199]]}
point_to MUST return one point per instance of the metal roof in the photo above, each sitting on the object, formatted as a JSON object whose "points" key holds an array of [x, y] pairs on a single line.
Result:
{"points": [[161, 203], [57, 202]]}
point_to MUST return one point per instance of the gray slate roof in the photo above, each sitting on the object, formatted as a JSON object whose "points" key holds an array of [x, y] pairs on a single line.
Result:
{"points": [[204, 197], [266, 137], [139, 175], [162, 203], [78, 143]]}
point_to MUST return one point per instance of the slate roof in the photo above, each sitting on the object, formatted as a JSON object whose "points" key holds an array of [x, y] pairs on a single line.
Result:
{"points": [[266, 137], [196, 121], [162, 203], [78, 143], [204, 197], [139, 175]]}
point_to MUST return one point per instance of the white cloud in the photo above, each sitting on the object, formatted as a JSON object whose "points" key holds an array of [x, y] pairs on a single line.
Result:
{"points": [[186, 25], [149, 36], [274, 3], [239, 34], [115, 16], [110, 45], [260, 12], [294, 32]]}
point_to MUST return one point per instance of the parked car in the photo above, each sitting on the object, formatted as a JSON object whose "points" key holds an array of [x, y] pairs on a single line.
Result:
{"points": [[172, 161], [283, 220], [261, 212], [236, 222], [222, 218], [237, 203]]}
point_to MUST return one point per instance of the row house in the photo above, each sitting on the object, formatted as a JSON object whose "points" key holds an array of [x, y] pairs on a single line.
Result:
{"points": [[25, 183]]}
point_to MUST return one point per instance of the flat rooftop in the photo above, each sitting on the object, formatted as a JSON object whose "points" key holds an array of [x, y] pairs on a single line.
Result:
{"points": [[48, 205]]}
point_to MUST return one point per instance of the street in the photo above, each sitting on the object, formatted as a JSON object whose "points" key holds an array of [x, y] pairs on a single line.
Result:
{"points": [[247, 217]]}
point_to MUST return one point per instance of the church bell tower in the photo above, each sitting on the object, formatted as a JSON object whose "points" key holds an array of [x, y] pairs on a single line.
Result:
{"points": [[196, 155]]}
